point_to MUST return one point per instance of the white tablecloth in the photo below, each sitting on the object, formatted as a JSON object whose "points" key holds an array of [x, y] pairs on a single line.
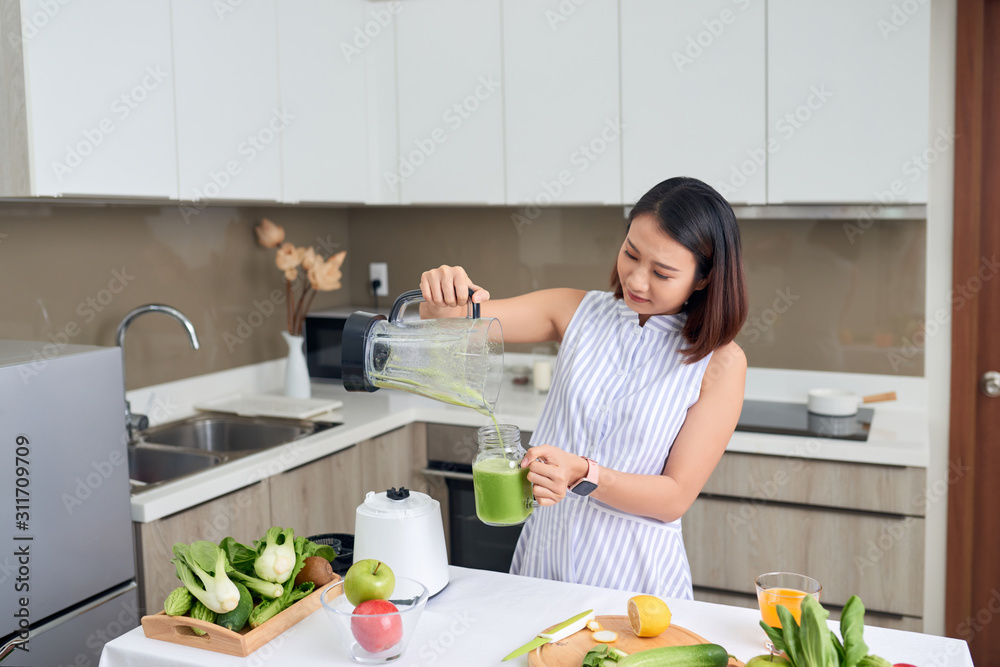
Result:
{"points": [[482, 616]]}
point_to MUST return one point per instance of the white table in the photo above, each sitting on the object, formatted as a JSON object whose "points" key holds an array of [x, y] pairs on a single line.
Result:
{"points": [[481, 616]]}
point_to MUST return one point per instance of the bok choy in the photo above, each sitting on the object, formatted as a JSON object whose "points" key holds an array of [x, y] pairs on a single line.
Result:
{"points": [[202, 567]]}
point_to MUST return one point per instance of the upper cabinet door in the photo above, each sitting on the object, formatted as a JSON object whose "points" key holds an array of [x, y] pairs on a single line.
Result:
{"points": [[450, 103], [229, 120], [693, 95], [100, 98], [563, 129], [322, 86], [848, 98]]}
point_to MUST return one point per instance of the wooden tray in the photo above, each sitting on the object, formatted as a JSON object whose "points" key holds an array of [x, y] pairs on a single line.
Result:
{"points": [[177, 629], [570, 651]]}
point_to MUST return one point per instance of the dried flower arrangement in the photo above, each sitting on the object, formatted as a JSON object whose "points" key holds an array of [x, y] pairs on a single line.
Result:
{"points": [[319, 275]]}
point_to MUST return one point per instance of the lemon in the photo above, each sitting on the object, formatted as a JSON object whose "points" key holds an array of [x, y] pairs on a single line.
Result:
{"points": [[648, 615]]}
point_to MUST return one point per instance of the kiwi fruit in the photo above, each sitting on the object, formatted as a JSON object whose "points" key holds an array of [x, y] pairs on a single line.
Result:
{"points": [[317, 570]]}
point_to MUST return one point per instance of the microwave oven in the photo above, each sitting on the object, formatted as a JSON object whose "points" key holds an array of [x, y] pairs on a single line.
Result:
{"points": [[324, 334]]}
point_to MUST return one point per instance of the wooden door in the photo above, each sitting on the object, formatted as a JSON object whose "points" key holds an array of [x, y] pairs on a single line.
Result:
{"points": [[973, 586]]}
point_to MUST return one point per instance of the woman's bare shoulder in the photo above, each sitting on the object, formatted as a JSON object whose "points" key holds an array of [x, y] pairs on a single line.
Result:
{"points": [[728, 366], [565, 302]]}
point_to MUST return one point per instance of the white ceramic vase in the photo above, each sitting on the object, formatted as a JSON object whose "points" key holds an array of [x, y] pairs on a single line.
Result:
{"points": [[296, 371]]}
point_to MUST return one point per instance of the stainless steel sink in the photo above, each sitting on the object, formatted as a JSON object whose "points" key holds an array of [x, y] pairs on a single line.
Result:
{"points": [[228, 433], [150, 465], [170, 451]]}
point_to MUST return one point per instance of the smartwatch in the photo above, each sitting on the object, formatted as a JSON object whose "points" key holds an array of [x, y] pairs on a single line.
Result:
{"points": [[588, 484]]}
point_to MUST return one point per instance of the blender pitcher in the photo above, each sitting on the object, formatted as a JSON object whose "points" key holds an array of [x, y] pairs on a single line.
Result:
{"points": [[453, 360]]}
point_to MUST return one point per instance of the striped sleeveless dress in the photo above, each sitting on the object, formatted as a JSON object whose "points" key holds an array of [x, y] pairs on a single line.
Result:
{"points": [[620, 393]]}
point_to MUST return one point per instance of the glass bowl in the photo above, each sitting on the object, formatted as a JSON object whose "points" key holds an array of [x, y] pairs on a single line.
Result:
{"points": [[373, 639]]}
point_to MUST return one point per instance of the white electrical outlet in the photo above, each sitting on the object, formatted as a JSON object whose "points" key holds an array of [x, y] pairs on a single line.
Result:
{"points": [[379, 271]]}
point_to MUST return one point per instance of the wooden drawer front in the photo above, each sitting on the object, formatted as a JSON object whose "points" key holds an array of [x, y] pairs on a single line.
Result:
{"points": [[877, 488], [892, 621], [879, 558], [320, 497]]}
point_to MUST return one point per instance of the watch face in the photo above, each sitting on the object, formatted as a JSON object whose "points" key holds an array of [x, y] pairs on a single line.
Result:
{"points": [[584, 487]]}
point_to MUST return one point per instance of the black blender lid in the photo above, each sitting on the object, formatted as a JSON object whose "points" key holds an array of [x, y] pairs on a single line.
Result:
{"points": [[353, 347]]}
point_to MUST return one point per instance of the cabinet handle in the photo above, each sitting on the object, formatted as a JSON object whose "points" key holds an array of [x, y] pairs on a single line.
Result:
{"points": [[429, 472]]}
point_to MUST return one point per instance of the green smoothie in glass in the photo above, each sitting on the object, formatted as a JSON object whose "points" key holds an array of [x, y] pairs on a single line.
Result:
{"points": [[502, 490]]}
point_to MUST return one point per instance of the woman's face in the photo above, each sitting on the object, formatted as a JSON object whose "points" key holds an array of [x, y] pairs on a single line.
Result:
{"points": [[657, 273]]}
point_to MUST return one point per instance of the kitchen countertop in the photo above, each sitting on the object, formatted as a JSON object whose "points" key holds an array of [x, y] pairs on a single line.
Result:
{"points": [[481, 616], [899, 432]]}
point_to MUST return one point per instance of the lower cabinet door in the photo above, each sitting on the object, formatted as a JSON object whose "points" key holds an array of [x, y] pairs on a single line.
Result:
{"points": [[878, 557]]}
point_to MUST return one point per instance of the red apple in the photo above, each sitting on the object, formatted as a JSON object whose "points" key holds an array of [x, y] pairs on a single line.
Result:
{"points": [[376, 633]]}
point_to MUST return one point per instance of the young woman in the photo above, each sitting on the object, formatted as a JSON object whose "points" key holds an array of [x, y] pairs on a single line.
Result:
{"points": [[647, 390]]}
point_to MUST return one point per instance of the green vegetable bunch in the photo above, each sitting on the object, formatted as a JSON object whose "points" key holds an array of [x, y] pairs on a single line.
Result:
{"points": [[232, 584], [814, 645]]}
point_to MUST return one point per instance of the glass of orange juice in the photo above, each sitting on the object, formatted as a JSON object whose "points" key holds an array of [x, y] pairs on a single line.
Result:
{"points": [[787, 589]]}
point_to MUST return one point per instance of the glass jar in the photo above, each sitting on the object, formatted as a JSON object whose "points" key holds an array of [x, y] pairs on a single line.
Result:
{"points": [[502, 490]]}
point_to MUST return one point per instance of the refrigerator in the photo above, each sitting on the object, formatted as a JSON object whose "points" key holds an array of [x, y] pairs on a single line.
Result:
{"points": [[67, 563]]}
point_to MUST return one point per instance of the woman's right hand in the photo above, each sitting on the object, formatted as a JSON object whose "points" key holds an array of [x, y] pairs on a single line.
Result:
{"points": [[446, 292]]}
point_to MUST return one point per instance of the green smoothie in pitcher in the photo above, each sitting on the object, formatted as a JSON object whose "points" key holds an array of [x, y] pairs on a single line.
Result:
{"points": [[502, 490]]}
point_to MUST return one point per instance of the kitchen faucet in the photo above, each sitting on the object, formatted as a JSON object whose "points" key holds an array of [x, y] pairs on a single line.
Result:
{"points": [[136, 422]]}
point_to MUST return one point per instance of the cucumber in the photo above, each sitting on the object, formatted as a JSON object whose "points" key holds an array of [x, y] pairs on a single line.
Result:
{"points": [[235, 620], [702, 655]]}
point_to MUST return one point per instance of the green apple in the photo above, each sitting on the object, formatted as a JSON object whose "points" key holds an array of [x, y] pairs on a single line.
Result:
{"points": [[764, 660], [368, 579]]}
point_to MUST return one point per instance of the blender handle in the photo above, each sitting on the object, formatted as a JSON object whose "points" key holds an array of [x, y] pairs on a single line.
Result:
{"points": [[415, 296]]}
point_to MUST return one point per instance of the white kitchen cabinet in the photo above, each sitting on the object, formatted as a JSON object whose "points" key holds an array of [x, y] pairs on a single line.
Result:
{"points": [[229, 118], [562, 116], [98, 107], [693, 96], [848, 86], [450, 103], [322, 86], [380, 95]]}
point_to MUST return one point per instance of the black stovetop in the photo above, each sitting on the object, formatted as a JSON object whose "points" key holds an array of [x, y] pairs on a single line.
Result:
{"points": [[795, 419]]}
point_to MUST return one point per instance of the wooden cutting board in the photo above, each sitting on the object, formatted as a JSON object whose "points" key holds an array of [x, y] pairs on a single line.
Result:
{"points": [[570, 651]]}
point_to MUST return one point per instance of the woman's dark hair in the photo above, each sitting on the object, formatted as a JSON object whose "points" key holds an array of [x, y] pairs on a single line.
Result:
{"points": [[700, 219]]}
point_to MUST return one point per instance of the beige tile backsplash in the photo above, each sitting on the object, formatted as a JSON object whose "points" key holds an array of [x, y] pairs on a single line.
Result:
{"points": [[818, 301], [72, 272]]}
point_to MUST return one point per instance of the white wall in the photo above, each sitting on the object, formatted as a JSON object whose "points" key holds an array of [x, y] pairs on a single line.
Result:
{"points": [[939, 285]]}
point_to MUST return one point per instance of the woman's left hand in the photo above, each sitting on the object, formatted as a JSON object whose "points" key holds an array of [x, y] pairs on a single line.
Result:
{"points": [[552, 470]]}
